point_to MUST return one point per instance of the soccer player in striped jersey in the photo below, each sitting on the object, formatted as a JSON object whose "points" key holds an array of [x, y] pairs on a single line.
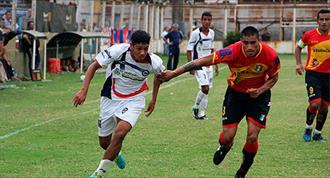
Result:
{"points": [[254, 70], [317, 77], [123, 94], [200, 44]]}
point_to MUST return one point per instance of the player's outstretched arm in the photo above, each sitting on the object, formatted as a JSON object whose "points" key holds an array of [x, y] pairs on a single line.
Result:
{"points": [[80, 97], [152, 103], [192, 65]]}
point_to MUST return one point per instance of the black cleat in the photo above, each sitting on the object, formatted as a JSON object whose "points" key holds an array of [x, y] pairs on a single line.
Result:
{"points": [[220, 154], [318, 137], [239, 174]]}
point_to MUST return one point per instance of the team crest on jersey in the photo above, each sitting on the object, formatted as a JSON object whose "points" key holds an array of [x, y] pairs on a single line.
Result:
{"points": [[258, 68], [124, 110], [315, 62], [145, 73]]}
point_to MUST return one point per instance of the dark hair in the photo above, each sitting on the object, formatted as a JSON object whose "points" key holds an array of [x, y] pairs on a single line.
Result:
{"points": [[322, 11], [140, 36], [29, 22], [206, 14], [250, 31], [7, 11]]}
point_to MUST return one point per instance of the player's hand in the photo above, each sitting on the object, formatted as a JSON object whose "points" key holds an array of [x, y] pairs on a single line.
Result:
{"points": [[253, 92], [299, 69], [79, 98], [150, 108], [192, 72], [216, 71], [166, 75]]}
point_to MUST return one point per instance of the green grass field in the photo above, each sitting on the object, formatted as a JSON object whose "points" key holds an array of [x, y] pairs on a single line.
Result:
{"points": [[43, 135]]}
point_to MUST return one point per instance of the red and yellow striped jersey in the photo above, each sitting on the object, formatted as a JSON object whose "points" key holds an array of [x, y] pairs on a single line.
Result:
{"points": [[318, 56], [248, 72]]}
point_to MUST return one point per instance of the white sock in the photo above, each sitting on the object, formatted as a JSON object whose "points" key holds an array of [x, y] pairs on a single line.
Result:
{"points": [[317, 132], [203, 106], [103, 167], [309, 126], [199, 97]]}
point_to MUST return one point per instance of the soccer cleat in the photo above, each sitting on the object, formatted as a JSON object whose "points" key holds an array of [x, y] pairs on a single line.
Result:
{"points": [[308, 135], [239, 174], [120, 161], [201, 118], [195, 112], [220, 154], [318, 137], [95, 175]]}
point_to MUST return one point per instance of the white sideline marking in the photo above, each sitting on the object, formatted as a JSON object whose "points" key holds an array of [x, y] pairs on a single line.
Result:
{"points": [[85, 112]]}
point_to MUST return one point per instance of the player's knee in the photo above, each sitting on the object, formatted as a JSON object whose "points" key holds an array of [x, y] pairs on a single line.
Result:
{"points": [[205, 89], [120, 135], [252, 138], [323, 108], [314, 106], [104, 144]]}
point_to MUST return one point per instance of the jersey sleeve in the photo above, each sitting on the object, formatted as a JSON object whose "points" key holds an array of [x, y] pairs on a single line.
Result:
{"points": [[224, 55], [274, 67], [212, 33], [110, 54], [302, 42], [157, 64], [192, 41]]}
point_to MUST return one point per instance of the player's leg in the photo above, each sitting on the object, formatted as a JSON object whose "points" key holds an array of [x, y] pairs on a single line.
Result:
{"points": [[250, 149], [112, 152], [323, 108], [226, 140], [200, 104], [203, 104], [257, 110], [313, 88], [232, 114]]}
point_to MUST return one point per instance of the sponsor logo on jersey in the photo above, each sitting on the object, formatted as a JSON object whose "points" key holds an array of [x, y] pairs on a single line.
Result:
{"points": [[128, 75], [262, 117], [124, 110]]}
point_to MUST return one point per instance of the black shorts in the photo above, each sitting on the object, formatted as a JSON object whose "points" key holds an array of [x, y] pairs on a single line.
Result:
{"points": [[237, 105], [318, 86]]}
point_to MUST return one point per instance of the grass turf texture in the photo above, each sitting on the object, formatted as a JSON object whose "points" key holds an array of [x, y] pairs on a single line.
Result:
{"points": [[51, 138]]}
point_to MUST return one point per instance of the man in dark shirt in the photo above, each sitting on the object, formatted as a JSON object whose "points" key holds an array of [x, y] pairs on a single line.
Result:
{"points": [[173, 39]]}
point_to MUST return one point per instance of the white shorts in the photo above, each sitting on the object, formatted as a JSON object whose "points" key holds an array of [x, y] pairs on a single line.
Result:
{"points": [[127, 110], [205, 76]]}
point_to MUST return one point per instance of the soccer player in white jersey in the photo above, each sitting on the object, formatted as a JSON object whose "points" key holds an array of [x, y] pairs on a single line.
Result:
{"points": [[201, 43], [123, 94]]}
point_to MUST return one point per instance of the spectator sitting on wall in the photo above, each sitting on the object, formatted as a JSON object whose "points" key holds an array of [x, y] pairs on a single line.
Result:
{"points": [[69, 65], [4, 62]]}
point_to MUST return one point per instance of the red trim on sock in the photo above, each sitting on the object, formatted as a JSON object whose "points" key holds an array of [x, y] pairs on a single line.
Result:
{"points": [[311, 109], [221, 138], [251, 147]]}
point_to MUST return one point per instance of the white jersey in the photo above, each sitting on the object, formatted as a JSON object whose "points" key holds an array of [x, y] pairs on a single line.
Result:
{"points": [[200, 44], [126, 78]]}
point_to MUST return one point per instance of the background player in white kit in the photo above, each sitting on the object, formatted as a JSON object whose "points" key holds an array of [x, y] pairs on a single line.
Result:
{"points": [[201, 43], [122, 96]]}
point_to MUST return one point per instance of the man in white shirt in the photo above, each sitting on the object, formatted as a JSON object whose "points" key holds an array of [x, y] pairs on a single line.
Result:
{"points": [[123, 94], [201, 43]]}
